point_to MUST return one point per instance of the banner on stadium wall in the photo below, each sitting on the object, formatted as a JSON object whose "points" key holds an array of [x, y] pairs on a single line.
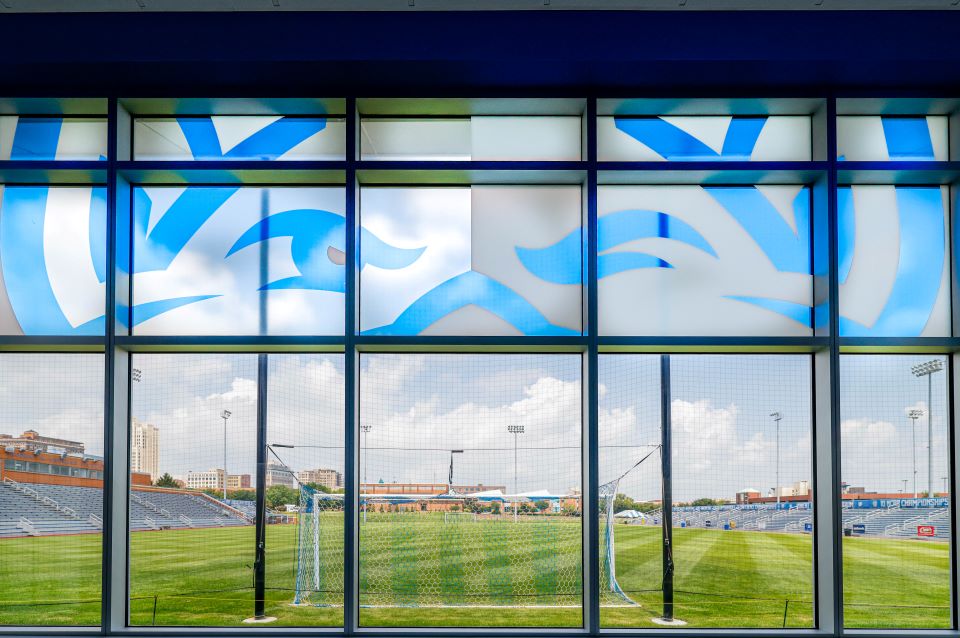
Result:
{"points": [[926, 530], [884, 503]]}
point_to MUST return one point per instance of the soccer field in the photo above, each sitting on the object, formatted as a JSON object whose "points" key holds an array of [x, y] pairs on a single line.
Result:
{"points": [[723, 578]]}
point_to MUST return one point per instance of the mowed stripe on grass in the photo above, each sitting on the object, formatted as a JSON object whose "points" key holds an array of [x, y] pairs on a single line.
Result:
{"points": [[724, 578]]}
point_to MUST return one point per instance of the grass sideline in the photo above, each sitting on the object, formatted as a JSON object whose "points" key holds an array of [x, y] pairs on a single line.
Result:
{"points": [[723, 578]]}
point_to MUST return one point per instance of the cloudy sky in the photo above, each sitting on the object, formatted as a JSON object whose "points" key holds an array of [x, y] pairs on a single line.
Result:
{"points": [[420, 407]]}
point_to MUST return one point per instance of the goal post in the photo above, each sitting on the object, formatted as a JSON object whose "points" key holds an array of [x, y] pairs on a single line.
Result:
{"points": [[319, 549]]}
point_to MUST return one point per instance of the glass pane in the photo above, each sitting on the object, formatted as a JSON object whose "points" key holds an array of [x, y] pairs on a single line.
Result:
{"points": [[742, 522], [238, 260], [630, 495], [191, 554], [705, 260], [53, 259], [51, 488], [53, 138], [894, 262], [896, 501], [305, 431], [239, 137], [470, 491], [691, 138], [478, 138], [881, 138], [486, 260]]}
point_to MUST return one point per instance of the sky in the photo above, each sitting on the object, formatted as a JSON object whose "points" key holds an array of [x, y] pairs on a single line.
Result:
{"points": [[419, 407]]}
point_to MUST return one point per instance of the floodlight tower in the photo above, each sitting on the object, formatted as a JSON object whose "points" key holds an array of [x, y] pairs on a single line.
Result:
{"points": [[226, 414], [515, 430], [366, 430], [913, 415], [776, 417], [928, 369]]}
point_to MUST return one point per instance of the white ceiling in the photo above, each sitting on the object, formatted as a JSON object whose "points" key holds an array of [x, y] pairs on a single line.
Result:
{"points": [[92, 6]]}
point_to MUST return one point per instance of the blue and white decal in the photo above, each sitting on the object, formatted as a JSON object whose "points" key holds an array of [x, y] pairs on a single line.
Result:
{"points": [[52, 138]]}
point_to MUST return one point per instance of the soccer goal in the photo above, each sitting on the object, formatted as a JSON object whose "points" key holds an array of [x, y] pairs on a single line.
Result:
{"points": [[319, 549], [459, 517]]}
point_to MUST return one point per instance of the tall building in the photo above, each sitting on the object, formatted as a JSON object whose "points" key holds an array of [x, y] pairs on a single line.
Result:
{"points": [[145, 448], [322, 476], [210, 479], [278, 474], [33, 441]]}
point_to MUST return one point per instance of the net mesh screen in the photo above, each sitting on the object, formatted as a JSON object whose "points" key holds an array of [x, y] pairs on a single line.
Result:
{"points": [[51, 492], [470, 471], [896, 509]]}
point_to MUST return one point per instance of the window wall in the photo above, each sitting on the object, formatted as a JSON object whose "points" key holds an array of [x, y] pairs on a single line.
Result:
{"points": [[354, 365]]}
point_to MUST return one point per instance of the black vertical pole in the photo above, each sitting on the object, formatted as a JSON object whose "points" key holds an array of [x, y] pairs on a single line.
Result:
{"points": [[259, 563], [666, 471]]}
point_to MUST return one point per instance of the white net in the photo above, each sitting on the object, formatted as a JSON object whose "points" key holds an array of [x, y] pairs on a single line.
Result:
{"points": [[319, 549]]}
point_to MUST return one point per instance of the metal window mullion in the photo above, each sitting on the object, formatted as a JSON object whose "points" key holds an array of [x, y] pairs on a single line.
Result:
{"points": [[351, 544], [591, 584], [114, 586], [831, 613]]}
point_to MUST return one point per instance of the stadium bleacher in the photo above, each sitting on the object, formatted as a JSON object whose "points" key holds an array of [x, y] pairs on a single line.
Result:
{"points": [[40, 510]]}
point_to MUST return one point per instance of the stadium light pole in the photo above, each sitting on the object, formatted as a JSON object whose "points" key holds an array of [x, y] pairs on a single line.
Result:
{"points": [[515, 430], [366, 430], [913, 415], [904, 491], [226, 414], [776, 488], [928, 369]]}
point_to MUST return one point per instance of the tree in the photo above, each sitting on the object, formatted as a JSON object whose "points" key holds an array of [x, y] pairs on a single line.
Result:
{"points": [[243, 495], [495, 508], [320, 488], [166, 481], [280, 495], [542, 506]]}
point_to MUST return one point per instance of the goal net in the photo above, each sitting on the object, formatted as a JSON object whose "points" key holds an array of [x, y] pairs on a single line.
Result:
{"points": [[459, 517], [319, 549]]}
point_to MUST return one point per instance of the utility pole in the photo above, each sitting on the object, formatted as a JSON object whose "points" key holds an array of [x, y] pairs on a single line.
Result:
{"points": [[226, 414], [928, 369], [776, 417], [913, 415], [366, 430], [516, 430]]}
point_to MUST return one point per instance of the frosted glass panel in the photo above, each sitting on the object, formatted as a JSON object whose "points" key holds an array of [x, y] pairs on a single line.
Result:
{"points": [[894, 261], [53, 258], [52, 138], [519, 138], [486, 260], [882, 138], [692, 260], [228, 260], [704, 138], [239, 137]]}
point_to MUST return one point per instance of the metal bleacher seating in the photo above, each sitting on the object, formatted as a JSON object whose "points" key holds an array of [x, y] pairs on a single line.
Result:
{"points": [[33, 509]]}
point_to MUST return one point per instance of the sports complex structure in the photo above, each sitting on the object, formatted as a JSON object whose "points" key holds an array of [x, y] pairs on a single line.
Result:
{"points": [[516, 317]]}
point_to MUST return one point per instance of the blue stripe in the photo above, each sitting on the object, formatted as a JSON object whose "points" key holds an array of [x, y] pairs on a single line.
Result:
{"points": [[908, 138], [674, 144], [788, 251], [471, 288], [846, 232], [268, 143], [177, 226], [614, 263], [919, 269], [626, 225], [24, 266], [151, 309], [742, 137], [36, 138], [801, 313], [98, 232]]}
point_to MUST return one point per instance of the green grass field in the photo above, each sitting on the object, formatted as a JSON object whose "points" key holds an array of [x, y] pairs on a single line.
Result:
{"points": [[465, 575]]}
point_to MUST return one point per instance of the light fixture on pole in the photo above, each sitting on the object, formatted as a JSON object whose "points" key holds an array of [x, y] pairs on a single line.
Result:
{"points": [[226, 414], [928, 369], [913, 415], [776, 417], [515, 430], [450, 477], [366, 430]]}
